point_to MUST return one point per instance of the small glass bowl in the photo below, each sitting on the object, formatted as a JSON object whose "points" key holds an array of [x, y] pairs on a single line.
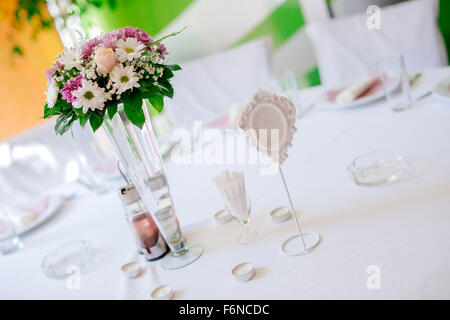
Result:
{"points": [[67, 258], [378, 168]]}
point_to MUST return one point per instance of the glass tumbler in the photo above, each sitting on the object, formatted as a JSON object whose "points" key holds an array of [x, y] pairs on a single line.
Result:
{"points": [[392, 72]]}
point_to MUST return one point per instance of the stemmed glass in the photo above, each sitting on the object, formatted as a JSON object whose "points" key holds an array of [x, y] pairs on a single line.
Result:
{"points": [[242, 215]]}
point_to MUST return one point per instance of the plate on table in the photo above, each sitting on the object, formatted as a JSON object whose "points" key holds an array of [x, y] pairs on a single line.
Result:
{"points": [[372, 93], [27, 219], [442, 91]]}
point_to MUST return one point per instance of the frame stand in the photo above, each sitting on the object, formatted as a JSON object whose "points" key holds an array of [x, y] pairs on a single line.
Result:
{"points": [[307, 241]]}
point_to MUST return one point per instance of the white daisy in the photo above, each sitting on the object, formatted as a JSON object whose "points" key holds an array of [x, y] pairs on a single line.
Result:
{"points": [[89, 96], [124, 78], [52, 94], [129, 49], [72, 58]]}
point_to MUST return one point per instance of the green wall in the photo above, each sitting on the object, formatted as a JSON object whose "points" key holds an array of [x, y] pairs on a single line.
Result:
{"points": [[149, 15], [284, 20], [444, 23]]}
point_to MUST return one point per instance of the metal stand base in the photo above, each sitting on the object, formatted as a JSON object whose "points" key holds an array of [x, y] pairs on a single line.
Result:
{"points": [[293, 247]]}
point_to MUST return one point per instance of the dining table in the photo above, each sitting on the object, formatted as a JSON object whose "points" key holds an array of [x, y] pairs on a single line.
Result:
{"points": [[398, 233]]}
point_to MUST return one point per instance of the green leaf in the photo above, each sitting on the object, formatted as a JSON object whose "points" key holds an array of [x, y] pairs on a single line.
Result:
{"points": [[112, 110], [132, 105], [173, 67], [148, 91], [95, 120], [157, 103], [62, 105], [167, 73], [166, 87], [59, 122], [79, 112], [64, 122], [84, 119], [68, 124], [50, 112]]}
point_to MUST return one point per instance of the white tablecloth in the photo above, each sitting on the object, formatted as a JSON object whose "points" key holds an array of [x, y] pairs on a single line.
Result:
{"points": [[402, 228]]}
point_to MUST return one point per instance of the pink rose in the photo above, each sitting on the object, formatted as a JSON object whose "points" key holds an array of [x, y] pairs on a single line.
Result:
{"points": [[106, 59]]}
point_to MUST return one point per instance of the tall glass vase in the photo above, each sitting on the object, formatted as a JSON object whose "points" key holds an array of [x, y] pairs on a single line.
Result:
{"points": [[139, 153]]}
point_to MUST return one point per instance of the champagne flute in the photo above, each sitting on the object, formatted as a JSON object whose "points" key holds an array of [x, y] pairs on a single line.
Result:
{"points": [[241, 211]]}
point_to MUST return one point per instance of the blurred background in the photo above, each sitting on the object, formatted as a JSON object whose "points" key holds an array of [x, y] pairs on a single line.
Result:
{"points": [[326, 56], [34, 31]]}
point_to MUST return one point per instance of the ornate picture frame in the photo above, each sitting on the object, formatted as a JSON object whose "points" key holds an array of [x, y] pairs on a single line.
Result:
{"points": [[269, 122]]}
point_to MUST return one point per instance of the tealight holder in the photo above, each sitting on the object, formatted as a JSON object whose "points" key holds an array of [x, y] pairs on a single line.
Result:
{"points": [[243, 272], [131, 270], [223, 216], [163, 292], [280, 214]]}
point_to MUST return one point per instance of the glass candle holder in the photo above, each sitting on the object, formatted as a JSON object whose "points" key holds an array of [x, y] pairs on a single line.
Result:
{"points": [[139, 154], [377, 168], [146, 233]]}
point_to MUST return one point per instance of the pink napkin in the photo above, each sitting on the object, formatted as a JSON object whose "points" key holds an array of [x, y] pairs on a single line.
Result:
{"points": [[4, 227], [222, 122], [375, 88], [39, 207]]}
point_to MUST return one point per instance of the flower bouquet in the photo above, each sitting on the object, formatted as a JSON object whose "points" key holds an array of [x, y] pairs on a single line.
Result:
{"points": [[106, 82], [88, 81]]}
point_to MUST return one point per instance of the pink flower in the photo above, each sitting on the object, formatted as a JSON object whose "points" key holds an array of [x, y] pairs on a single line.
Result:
{"points": [[143, 37], [109, 41], [88, 47], [51, 71], [110, 38], [162, 50], [129, 31], [106, 59], [137, 33], [70, 87]]}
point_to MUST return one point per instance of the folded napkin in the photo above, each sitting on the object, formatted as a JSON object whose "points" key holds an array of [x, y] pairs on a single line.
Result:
{"points": [[356, 89], [231, 186]]}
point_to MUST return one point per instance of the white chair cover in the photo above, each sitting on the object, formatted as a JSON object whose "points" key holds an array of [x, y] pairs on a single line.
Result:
{"points": [[346, 48], [207, 87]]}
